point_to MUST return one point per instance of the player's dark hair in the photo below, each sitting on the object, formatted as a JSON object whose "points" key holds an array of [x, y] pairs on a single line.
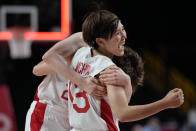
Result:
{"points": [[99, 24], [132, 64]]}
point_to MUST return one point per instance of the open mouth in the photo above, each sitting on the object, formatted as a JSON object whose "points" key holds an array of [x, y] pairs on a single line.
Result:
{"points": [[121, 46]]}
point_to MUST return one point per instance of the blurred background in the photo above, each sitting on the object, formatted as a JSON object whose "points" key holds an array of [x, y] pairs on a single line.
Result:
{"points": [[161, 31]]}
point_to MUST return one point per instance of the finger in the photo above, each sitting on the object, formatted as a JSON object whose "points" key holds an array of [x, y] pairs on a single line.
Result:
{"points": [[100, 88], [181, 95], [111, 83], [97, 97], [182, 100], [98, 93], [114, 68], [108, 79], [175, 90], [107, 72], [101, 80], [109, 75], [106, 76], [181, 91]]}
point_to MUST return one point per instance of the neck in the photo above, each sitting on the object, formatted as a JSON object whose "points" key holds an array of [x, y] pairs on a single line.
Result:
{"points": [[101, 51]]}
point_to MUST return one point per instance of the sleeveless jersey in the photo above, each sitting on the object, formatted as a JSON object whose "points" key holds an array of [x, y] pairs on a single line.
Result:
{"points": [[85, 112], [53, 91], [49, 110]]}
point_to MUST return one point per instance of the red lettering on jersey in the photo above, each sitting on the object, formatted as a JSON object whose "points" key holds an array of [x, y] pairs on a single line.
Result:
{"points": [[79, 65], [83, 68], [86, 69]]}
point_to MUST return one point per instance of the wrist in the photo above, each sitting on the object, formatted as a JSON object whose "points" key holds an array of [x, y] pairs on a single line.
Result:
{"points": [[164, 103], [82, 82]]}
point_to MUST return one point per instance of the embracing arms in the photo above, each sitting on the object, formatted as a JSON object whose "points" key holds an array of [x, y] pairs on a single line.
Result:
{"points": [[53, 57], [42, 69], [62, 51], [57, 60]]}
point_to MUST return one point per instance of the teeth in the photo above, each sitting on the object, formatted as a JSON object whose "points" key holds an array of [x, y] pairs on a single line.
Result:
{"points": [[120, 46]]}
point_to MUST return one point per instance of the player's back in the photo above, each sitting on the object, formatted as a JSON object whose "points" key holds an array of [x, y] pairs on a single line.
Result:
{"points": [[53, 91], [49, 110], [85, 112]]}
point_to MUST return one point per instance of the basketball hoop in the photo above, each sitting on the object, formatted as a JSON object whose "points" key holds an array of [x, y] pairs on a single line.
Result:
{"points": [[19, 47]]}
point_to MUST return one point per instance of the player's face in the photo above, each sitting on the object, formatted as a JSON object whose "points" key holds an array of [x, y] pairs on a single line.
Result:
{"points": [[115, 45]]}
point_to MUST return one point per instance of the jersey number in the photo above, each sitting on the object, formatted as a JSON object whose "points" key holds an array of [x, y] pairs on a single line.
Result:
{"points": [[79, 95], [63, 95]]}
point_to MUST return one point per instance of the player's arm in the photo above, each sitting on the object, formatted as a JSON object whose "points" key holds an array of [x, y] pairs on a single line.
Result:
{"points": [[54, 58], [116, 76], [42, 68], [66, 47], [126, 113], [70, 45]]}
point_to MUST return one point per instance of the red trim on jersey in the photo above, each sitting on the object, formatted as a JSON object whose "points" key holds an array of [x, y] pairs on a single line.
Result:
{"points": [[37, 116], [106, 114], [70, 95], [36, 98]]}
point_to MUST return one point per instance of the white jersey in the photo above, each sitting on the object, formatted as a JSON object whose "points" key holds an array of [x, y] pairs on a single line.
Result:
{"points": [[53, 91], [85, 112], [49, 110]]}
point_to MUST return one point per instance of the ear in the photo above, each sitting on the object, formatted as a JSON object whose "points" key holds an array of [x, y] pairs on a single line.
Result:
{"points": [[100, 42]]}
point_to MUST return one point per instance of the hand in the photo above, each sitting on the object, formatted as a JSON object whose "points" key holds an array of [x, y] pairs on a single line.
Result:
{"points": [[174, 98], [93, 88], [114, 76]]}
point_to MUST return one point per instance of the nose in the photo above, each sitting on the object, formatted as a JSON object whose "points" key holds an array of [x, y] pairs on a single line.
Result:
{"points": [[124, 35]]}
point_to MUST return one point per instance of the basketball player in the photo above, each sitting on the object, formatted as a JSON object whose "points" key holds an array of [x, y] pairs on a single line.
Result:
{"points": [[51, 97], [49, 109], [105, 33]]}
